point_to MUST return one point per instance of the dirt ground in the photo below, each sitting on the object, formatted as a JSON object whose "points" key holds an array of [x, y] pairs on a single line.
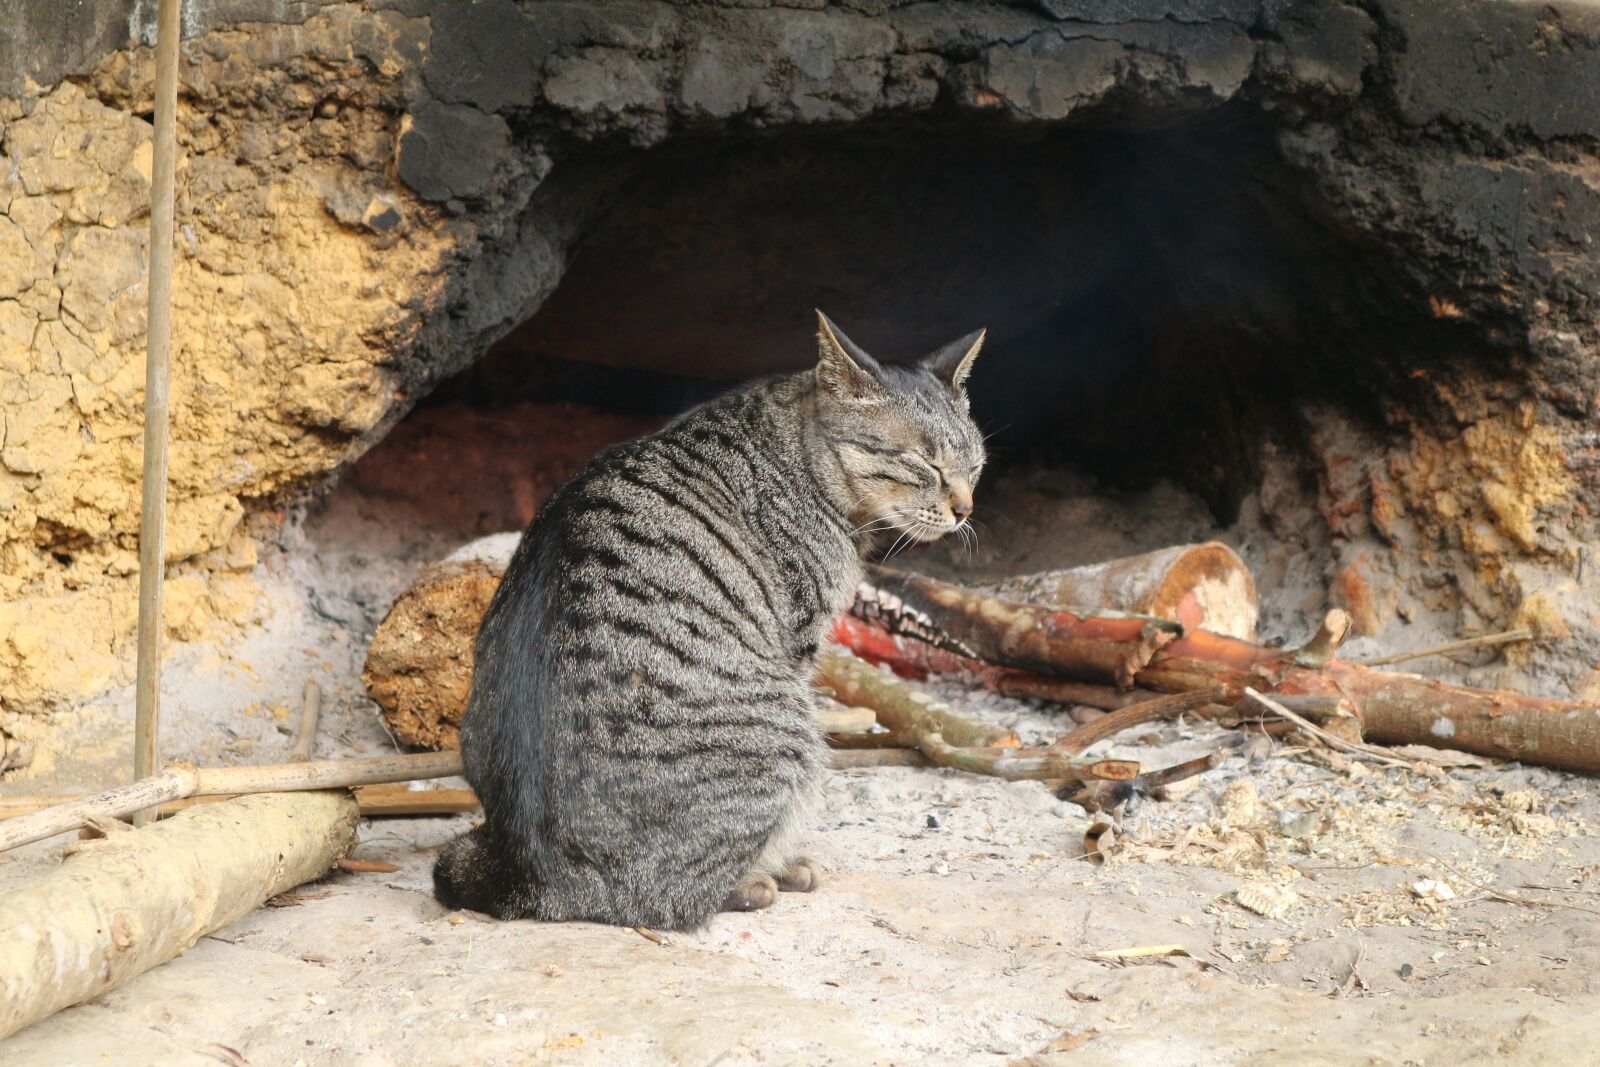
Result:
{"points": [[960, 922]]}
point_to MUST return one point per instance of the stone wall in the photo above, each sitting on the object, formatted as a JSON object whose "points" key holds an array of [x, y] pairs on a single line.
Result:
{"points": [[370, 193]]}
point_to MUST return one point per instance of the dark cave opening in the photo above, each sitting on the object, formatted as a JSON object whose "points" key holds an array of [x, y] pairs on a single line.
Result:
{"points": [[1158, 295]]}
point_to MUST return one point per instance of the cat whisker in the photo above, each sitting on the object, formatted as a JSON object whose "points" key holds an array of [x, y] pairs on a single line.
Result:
{"points": [[908, 536], [968, 538]]}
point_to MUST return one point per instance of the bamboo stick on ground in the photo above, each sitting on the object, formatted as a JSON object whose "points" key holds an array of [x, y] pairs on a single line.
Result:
{"points": [[132, 901], [375, 801], [177, 783]]}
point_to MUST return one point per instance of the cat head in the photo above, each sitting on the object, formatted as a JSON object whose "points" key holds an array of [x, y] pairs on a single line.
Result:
{"points": [[907, 447]]}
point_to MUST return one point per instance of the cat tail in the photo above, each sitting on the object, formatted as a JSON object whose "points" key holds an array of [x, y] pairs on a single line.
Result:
{"points": [[471, 873]]}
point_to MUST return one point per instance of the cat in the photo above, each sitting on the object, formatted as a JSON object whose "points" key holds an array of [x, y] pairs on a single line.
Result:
{"points": [[641, 725]]}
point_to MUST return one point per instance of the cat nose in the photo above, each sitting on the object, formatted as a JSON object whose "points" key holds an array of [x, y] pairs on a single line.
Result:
{"points": [[961, 506]]}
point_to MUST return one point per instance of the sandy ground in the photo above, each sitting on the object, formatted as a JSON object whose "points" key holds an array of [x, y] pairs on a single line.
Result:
{"points": [[960, 922]]}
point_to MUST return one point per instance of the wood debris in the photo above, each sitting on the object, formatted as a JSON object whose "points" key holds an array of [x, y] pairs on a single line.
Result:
{"points": [[1266, 899]]}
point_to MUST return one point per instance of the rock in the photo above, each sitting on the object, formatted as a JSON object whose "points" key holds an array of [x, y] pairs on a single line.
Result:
{"points": [[449, 151]]}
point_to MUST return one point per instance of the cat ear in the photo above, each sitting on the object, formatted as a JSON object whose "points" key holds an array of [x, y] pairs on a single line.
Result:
{"points": [[843, 369], [952, 363]]}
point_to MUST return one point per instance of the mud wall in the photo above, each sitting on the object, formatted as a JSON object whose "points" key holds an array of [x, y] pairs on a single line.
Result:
{"points": [[371, 193]]}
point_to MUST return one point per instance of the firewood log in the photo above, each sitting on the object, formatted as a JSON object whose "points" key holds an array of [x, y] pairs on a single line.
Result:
{"points": [[1392, 708], [137, 899]]}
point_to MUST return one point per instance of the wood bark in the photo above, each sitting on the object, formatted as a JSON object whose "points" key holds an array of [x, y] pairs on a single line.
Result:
{"points": [[137, 899], [1024, 764], [1205, 587]]}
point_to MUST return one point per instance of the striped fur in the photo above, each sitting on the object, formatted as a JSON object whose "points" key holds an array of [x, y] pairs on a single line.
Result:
{"points": [[640, 728]]}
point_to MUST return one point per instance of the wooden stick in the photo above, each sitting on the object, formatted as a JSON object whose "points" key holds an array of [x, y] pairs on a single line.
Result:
{"points": [[1108, 796], [1135, 715], [135, 900], [375, 801], [850, 759], [877, 739], [1152, 780], [905, 711], [1024, 764], [1353, 748], [158, 356], [1324, 644], [310, 712], [177, 783], [1028, 686], [1506, 637], [857, 720]]}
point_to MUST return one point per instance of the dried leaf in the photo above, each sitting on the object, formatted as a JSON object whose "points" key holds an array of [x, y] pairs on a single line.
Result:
{"points": [[355, 866], [1140, 952], [1068, 1042]]}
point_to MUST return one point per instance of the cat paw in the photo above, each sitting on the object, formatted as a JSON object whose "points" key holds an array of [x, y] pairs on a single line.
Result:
{"points": [[754, 893], [801, 876]]}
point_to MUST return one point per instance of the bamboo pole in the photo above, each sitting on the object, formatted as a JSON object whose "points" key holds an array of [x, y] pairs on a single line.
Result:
{"points": [[177, 783], [377, 801], [157, 373]]}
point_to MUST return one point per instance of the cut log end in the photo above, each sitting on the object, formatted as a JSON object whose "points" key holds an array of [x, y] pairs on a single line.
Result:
{"points": [[419, 668], [1205, 587]]}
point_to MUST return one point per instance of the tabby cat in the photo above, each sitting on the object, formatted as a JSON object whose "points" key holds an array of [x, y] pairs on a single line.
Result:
{"points": [[641, 726]]}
